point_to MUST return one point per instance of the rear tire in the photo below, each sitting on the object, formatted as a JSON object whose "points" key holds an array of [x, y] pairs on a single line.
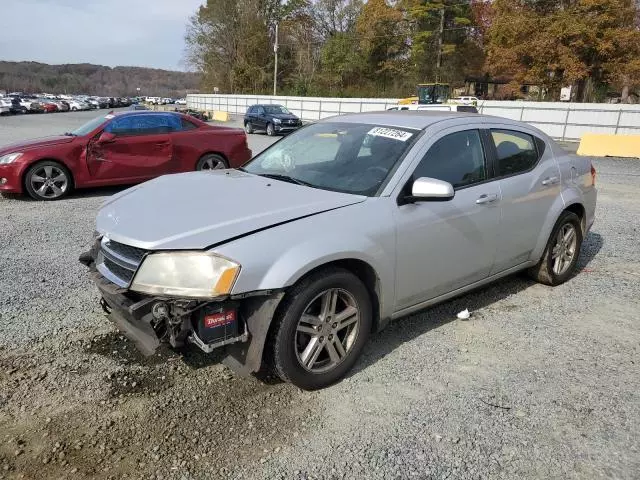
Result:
{"points": [[561, 253], [211, 161], [48, 180], [271, 131], [320, 329]]}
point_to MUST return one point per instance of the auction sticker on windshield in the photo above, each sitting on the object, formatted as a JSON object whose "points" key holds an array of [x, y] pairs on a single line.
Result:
{"points": [[390, 133]]}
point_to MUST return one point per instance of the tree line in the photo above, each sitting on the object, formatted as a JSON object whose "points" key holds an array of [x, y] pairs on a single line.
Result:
{"points": [[384, 48], [33, 77]]}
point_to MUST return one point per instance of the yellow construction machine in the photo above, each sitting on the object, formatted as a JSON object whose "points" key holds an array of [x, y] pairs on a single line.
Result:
{"points": [[429, 94]]}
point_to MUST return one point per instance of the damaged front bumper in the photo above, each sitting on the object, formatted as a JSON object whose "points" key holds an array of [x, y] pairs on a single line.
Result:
{"points": [[237, 324]]}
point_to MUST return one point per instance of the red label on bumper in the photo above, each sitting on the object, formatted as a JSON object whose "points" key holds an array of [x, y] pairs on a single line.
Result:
{"points": [[218, 319]]}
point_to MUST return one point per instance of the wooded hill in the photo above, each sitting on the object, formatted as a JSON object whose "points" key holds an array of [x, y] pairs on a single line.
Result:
{"points": [[84, 78], [382, 48]]}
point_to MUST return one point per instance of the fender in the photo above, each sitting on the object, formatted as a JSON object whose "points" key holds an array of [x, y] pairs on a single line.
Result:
{"points": [[568, 197], [302, 258]]}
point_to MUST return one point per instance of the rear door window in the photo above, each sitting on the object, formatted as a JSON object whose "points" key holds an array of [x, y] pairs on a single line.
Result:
{"points": [[516, 152]]}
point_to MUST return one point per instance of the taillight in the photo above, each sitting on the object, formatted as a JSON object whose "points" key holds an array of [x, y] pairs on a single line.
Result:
{"points": [[593, 176]]}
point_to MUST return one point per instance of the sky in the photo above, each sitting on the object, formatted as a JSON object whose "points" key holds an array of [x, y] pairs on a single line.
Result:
{"points": [[144, 33]]}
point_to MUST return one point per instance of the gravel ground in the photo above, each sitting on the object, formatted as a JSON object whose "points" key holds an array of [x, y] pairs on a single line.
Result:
{"points": [[540, 382]]}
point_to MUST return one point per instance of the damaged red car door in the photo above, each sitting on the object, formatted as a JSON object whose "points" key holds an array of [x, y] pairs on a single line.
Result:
{"points": [[133, 148]]}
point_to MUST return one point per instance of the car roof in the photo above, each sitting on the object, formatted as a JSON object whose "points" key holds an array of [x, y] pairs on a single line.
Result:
{"points": [[143, 112], [415, 119]]}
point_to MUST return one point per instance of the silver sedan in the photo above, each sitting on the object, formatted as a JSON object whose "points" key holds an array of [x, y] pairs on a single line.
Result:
{"points": [[334, 231]]}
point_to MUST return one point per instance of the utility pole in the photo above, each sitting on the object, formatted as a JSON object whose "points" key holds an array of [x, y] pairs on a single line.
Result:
{"points": [[440, 35], [275, 66]]}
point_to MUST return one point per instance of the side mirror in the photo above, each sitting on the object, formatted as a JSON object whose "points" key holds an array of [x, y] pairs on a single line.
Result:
{"points": [[425, 189], [106, 137]]}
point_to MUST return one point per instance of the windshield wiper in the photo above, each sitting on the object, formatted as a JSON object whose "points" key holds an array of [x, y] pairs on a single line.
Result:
{"points": [[69, 134], [287, 178]]}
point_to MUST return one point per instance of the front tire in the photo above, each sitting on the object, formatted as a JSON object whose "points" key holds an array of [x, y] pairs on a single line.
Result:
{"points": [[561, 253], [321, 329], [48, 180], [211, 161], [271, 131], [248, 127]]}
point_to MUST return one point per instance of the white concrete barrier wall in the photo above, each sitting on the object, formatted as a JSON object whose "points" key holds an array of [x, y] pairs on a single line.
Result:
{"points": [[564, 121]]}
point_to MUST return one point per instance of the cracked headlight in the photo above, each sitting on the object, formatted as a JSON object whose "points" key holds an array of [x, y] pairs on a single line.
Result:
{"points": [[186, 274], [10, 158]]}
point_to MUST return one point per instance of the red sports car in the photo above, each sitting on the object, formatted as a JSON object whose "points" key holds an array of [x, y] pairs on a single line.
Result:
{"points": [[115, 149]]}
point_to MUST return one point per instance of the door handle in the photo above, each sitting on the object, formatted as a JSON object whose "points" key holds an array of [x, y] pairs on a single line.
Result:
{"points": [[550, 181], [486, 198]]}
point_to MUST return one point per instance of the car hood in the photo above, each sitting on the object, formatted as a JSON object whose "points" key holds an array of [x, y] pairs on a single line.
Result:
{"points": [[197, 210], [284, 116], [35, 143]]}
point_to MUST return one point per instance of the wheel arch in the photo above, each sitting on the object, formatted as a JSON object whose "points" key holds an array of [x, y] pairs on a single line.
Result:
{"points": [[224, 157], [365, 273], [23, 176], [580, 211]]}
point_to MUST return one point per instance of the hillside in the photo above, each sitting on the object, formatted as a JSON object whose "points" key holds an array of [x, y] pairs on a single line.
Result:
{"points": [[95, 79]]}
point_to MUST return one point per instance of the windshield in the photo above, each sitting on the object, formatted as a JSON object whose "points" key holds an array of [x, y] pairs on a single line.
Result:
{"points": [[343, 157], [275, 109], [90, 125]]}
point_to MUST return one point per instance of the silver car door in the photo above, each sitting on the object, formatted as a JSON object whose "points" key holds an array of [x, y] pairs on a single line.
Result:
{"points": [[445, 245], [530, 183]]}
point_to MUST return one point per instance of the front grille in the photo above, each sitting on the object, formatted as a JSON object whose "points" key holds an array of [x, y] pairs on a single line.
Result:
{"points": [[118, 262]]}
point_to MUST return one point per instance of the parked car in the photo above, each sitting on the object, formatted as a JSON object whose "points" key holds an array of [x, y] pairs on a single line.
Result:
{"points": [[443, 107], [202, 116], [115, 149], [333, 232], [76, 105], [17, 105], [181, 101], [62, 105], [93, 103], [48, 106], [103, 102], [5, 106], [466, 100], [270, 118], [34, 106], [138, 106]]}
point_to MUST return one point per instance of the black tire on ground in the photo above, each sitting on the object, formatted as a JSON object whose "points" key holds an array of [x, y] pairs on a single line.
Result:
{"points": [[248, 127], [211, 161], [544, 272], [271, 131], [61, 181], [281, 351]]}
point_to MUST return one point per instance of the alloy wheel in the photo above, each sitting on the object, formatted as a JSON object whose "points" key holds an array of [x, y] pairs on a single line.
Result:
{"points": [[327, 330], [49, 181], [213, 163], [564, 249]]}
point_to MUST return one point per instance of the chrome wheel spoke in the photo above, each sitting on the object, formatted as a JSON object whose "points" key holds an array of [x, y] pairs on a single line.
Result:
{"points": [[42, 190], [329, 300], [48, 171], [56, 190], [310, 319], [59, 178], [333, 353], [311, 352], [37, 178], [339, 347], [347, 317], [306, 329]]}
